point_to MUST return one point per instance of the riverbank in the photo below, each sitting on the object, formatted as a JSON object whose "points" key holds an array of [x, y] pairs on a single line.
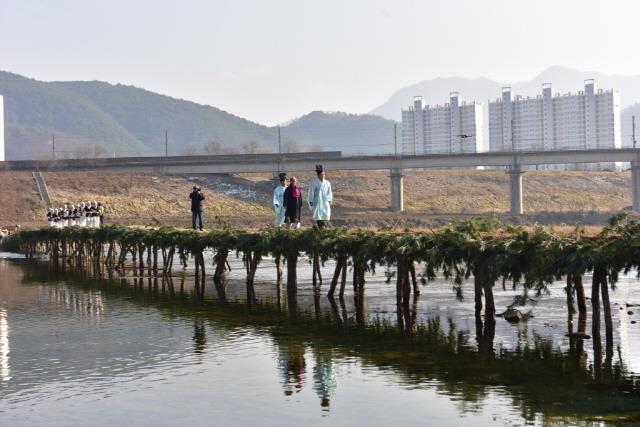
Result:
{"points": [[432, 198]]}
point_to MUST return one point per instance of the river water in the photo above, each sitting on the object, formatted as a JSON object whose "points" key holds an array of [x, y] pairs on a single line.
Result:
{"points": [[76, 350]]}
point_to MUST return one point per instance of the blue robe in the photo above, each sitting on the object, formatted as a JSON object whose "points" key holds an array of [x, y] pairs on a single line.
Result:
{"points": [[320, 198], [278, 201]]}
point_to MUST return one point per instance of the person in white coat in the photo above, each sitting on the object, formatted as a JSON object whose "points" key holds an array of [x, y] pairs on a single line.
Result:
{"points": [[65, 216], [278, 199], [320, 198], [83, 215], [95, 216], [50, 215]]}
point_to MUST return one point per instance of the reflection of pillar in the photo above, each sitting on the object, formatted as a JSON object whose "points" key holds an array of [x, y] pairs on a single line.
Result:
{"points": [[635, 186], [5, 373], [397, 189], [515, 189]]}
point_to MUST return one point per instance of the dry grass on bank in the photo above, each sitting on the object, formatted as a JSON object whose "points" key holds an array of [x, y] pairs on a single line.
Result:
{"points": [[359, 197], [477, 191], [19, 198], [144, 196]]}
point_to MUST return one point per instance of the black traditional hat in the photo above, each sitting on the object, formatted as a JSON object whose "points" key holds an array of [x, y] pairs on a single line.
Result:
{"points": [[319, 169], [282, 176]]}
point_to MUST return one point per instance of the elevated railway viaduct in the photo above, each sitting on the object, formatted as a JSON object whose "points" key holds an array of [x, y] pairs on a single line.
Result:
{"points": [[514, 163]]}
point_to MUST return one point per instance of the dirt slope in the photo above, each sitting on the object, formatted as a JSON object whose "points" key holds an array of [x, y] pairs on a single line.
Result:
{"points": [[359, 197]]}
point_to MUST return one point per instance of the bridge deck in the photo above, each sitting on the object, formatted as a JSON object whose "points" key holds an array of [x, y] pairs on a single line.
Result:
{"points": [[332, 160]]}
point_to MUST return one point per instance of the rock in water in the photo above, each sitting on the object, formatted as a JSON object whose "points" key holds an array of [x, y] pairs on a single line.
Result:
{"points": [[513, 315]]}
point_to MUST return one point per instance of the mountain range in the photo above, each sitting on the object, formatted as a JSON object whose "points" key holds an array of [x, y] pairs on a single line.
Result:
{"points": [[93, 118]]}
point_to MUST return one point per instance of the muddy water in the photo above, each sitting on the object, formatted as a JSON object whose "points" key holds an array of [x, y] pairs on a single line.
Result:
{"points": [[76, 350]]}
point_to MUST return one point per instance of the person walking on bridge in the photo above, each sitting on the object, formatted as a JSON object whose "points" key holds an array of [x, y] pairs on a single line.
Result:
{"points": [[196, 197], [320, 198], [292, 200], [278, 199]]}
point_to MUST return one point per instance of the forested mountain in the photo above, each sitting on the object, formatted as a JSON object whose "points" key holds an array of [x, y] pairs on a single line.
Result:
{"points": [[350, 133], [100, 119], [34, 111]]}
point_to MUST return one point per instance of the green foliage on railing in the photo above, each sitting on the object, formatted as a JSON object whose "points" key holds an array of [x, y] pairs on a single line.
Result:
{"points": [[482, 248]]}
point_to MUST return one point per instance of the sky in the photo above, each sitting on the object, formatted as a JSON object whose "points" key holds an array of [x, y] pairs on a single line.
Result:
{"points": [[274, 60]]}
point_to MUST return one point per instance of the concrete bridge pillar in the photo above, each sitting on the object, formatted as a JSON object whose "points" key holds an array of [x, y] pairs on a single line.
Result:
{"points": [[397, 190], [515, 189], [635, 186]]}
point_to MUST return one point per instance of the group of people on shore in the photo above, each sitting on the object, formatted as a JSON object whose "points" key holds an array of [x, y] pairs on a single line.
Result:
{"points": [[287, 200], [89, 214]]}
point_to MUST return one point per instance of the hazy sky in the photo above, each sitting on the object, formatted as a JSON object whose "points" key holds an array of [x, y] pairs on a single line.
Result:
{"points": [[271, 61]]}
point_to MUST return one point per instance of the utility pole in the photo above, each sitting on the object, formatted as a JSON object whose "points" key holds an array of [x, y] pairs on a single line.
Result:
{"points": [[166, 143], [395, 139], [633, 130], [53, 146], [279, 142], [279, 165]]}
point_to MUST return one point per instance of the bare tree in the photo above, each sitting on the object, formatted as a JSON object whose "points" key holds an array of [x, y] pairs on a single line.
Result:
{"points": [[291, 146], [86, 151], [213, 148], [250, 147], [189, 151], [99, 152]]}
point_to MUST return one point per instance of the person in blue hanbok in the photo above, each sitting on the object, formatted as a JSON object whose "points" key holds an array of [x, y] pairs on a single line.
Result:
{"points": [[278, 199], [320, 198]]}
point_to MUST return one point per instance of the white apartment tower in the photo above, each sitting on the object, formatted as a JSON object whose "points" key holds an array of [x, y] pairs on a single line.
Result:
{"points": [[589, 119], [455, 127], [1, 129]]}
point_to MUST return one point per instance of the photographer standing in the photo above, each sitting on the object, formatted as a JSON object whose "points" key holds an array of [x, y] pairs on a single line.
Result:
{"points": [[196, 197]]}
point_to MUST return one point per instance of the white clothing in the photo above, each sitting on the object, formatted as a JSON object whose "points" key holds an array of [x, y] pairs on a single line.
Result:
{"points": [[319, 199], [278, 201]]}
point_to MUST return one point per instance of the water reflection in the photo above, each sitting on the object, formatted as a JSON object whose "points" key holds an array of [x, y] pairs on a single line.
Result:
{"points": [[312, 339], [324, 378], [291, 364], [199, 336], [87, 302], [5, 372]]}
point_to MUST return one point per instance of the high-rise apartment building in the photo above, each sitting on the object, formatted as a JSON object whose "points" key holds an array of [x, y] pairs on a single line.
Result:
{"points": [[455, 127], [589, 119]]}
